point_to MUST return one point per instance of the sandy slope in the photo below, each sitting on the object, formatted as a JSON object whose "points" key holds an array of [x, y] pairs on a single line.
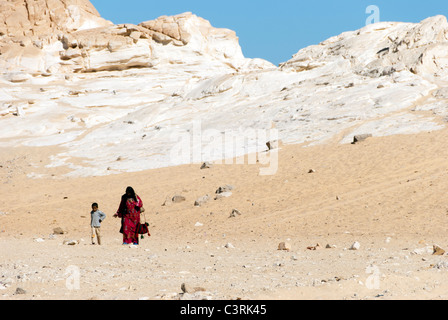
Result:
{"points": [[389, 194]]}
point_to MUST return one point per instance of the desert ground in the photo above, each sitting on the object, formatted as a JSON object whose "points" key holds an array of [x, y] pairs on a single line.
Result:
{"points": [[388, 194]]}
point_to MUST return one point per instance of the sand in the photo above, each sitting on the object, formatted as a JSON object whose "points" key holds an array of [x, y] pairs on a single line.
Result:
{"points": [[388, 194]]}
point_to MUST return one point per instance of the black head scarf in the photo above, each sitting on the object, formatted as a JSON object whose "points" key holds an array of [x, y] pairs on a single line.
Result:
{"points": [[130, 193]]}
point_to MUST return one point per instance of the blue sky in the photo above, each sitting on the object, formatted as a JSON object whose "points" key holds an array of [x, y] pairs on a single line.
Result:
{"points": [[274, 30]]}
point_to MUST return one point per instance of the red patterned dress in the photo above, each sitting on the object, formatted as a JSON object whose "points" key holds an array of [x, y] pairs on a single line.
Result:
{"points": [[129, 212]]}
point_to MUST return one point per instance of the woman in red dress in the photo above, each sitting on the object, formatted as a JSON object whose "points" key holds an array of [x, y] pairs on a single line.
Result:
{"points": [[129, 212]]}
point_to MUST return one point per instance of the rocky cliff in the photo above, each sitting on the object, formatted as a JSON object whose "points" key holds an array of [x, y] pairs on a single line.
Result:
{"points": [[143, 94]]}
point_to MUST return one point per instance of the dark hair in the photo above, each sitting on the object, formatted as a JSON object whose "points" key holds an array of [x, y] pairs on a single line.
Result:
{"points": [[94, 204], [131, 192]]}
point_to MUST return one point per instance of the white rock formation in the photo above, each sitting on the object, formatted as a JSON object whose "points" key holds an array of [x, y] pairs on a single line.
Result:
{"points": [[176, 90]]}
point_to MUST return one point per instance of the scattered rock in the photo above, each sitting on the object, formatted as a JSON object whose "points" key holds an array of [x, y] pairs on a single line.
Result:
{"points": [[330, 246], [235, 213], [168, 201], [20, 291], [313, 248], [39, 240], [186, 288], [206, 165], [229, 246], [284, 246], [223, 189], [178, 199], [272, 145], [202, 200], [58, 230], [223, 195], [424, 250], [361, 137], [198, 224], [440, 265], [355, 246], [437, 251], [71, 242]]}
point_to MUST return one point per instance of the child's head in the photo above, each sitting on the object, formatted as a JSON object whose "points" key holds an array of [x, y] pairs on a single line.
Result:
{"points": [[94, 206]]}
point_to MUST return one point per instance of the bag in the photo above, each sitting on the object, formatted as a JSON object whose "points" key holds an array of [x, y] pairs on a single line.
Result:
{"points": [[142, 228]]}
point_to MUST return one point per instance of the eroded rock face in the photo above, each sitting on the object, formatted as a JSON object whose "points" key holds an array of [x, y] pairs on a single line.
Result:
{"points": [[382, 49], [64, 36], [30, 30], [30, 18], [86, 89]]}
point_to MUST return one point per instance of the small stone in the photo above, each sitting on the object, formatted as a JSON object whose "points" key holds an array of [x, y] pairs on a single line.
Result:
{"points": [[223, 195], [272, 145], [186, 288], [235, 213], [202, 200], [284, 246], [58, 230], [178, 199], [20, 291], [224, 189], [71, 242], [314, 248], [355, 246], [438, 251], [168, 202], [229, 246], [361, 137], [424, 250], [206, 165]]}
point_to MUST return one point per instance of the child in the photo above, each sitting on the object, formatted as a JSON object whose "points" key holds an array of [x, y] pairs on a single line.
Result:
{"points": [[97, 217]]}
